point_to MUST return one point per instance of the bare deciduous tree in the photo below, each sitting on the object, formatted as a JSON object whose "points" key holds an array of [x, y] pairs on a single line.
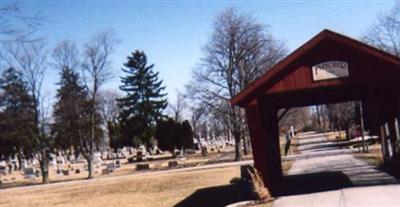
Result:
{"points": [[239, 51], [385, 34], [197, 113], [342, 115], [109, 106], [30, 58], [178, 107], [96, 70], [109, 111]]}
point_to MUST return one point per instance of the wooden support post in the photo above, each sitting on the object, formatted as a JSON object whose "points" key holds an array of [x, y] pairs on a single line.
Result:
{"points": [[397, 127], [270, 125], [383, 142], [389, 146], [258, 141], [393, 138], [397, 132]]}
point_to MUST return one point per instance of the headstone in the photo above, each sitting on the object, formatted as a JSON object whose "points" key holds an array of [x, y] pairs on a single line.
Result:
{"points": [[10, 168], [29, 172], [117, 164], [24, 164], [65, 172], [111, 167], [38, 173], [97, 158], [172, 164], [204, 151], [105, 172], [142, 148], [142, 167], [139, 156], [3, 170]]}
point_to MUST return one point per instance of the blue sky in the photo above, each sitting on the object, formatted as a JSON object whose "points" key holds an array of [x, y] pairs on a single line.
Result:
{"points": [[172, 33]]}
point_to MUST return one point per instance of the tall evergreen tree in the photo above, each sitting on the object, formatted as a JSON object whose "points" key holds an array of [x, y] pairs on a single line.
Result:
{"points": [[70, 115], [187, 135], [166, 134], [145, 98], [16, 112]]}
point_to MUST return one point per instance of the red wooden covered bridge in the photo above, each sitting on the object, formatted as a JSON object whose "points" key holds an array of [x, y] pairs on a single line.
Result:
{"points": [[329, 68]]}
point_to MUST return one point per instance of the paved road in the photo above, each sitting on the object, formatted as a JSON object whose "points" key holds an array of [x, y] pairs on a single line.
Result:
{"points": [[326, 175]]}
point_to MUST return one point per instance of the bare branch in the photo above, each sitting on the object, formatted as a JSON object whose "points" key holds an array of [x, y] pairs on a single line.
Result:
{"points": [[385, 34], [16, 27], [65, 55]]}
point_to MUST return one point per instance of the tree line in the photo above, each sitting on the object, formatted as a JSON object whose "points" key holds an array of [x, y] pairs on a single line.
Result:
{"points": [[79, 121]]}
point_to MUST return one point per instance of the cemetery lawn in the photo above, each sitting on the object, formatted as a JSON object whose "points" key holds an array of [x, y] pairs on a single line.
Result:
{"points": [[144, 190]]}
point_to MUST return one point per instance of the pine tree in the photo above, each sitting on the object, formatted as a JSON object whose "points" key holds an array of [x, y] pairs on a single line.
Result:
{"points": [[187, 135], [166, 134], [144, 100], [71, 118], [16, 112]]}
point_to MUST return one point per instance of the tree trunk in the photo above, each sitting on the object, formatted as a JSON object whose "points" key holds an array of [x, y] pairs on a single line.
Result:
{"points": [[19, 158], [238, 152], [348, 133], [90, 166], [245, 146], [44, 167], [318, 118], [238, 146]]}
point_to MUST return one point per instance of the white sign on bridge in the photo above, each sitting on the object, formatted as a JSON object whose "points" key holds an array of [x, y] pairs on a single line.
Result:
{"points": [[330, 70]]}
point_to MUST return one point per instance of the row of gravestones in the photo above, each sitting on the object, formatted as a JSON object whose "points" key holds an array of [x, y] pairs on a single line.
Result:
{"points": [[146, 166], [140, 154], [8, 168], [143, 156], [66, 172], [32, 173], [110, 168]]}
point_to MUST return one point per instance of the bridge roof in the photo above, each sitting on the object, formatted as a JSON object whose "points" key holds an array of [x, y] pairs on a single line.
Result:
{"points": [[366, 65]]}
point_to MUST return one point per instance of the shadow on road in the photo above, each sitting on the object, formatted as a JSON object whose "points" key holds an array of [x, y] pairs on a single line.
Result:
{"points": [[314, 182], [216, 196]]}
